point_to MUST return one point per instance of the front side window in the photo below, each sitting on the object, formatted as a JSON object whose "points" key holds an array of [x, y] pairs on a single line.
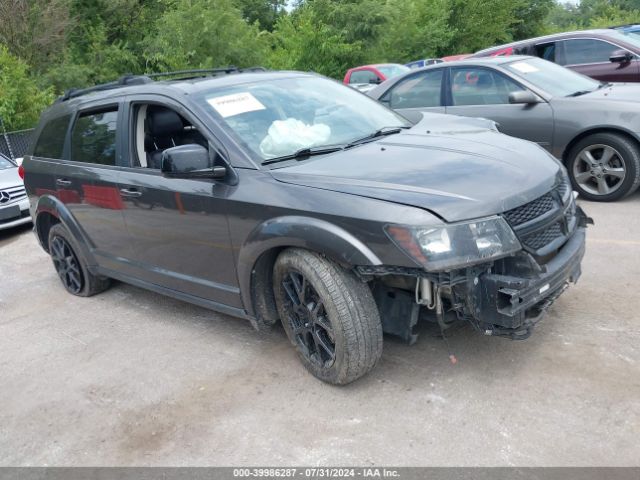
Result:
{"points": [[422, 90], [280, 117], [50, 143], [480, 86], [93, 139], [586, 50], [363, 76]]}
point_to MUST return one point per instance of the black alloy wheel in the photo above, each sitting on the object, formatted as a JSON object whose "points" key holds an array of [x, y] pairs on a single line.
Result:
{"points": [[67, 265], [308, 320]]}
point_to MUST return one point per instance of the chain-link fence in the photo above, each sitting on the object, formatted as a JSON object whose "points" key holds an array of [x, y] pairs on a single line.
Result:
{"points": [[15, 144]]}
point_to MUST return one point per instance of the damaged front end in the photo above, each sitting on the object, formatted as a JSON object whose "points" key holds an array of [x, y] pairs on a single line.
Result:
{"points": [[500, 291]]}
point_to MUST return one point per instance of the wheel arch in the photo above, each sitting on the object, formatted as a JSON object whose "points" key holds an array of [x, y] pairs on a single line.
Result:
{"points": [[629, 135], [50, 211], [263, 245]]}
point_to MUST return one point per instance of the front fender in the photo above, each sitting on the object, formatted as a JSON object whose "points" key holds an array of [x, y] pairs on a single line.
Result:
{"points": [[48, 204], [304, 232]]}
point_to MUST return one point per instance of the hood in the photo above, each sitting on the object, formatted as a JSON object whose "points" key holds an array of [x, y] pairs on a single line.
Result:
{"points": [[622, 92], [9, 178], [457, 168]]}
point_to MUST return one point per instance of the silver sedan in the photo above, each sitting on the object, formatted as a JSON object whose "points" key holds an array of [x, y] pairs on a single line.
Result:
{"points": [[593, 127], [14, 204]]}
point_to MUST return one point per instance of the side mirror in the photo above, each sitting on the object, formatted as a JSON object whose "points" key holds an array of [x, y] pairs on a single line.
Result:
{"points": [[620, 56], [375, 81], [526, 97], [189, 161]]}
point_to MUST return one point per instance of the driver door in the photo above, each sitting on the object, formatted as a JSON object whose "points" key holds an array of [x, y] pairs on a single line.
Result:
{"points": [[178, 227], [484, 92]]}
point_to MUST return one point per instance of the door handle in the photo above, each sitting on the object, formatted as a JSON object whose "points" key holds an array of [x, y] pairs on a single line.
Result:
{"points": [[63, 182], [130, 192]]}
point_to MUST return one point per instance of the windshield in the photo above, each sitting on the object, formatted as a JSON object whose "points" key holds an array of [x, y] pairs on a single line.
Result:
{"points": [[390, 71], [5, 163], [631, 36], [550, 77], [280, 117]]}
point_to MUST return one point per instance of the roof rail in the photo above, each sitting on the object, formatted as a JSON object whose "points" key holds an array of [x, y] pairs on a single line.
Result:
{"points": [[129, 79], [123, 81]]}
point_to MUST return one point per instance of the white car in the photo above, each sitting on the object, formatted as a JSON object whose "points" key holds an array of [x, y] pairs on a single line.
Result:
{"points": [[14, 204]]}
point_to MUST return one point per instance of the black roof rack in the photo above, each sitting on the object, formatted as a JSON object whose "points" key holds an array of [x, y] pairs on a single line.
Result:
{"points": [[128, 80]]}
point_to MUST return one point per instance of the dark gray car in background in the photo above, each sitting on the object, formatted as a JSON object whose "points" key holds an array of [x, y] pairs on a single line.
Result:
{"points": [[592, 126], [283, 196]]}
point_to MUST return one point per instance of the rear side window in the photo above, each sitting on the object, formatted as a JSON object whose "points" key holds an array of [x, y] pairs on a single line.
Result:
{"points": [[50, 143], [93, 139], [418, 91], [546, 51]]}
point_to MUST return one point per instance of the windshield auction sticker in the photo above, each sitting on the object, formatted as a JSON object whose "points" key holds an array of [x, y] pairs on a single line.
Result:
{"points": [[524, 67], [235, 104]]}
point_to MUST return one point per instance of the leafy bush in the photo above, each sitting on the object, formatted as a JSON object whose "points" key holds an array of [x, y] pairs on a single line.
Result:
{"points": [[21, 99]]}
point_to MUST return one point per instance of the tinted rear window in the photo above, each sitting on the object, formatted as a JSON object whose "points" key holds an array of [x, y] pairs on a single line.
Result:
{"points": [[93, 139], [50, 144]]}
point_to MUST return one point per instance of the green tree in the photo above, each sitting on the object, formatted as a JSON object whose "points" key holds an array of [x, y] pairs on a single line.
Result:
{"points": [[265, 12], [21, 99], [301, 42], [415, 29], [203, 34]]}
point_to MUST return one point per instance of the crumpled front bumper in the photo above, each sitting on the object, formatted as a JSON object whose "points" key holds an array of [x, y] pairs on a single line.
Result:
{"points": [[512, 305]]}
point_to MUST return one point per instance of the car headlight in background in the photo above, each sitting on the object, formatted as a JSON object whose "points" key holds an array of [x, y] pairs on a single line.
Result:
{"points": [[457, 245]]}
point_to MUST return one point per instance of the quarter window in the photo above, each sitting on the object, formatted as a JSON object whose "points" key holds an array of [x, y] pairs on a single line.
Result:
{"points": [[93, 139], [480, 86], [586, 50], [363, 76], [418, 91], [50, 143]]}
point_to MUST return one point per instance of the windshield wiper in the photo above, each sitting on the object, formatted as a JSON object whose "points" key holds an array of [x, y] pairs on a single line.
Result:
{"points": [[303, 153], [382, 132], [579, 93], [604, 85]]}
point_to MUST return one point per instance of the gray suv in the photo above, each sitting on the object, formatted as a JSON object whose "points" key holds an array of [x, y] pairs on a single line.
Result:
{"points": [[283, 196]]}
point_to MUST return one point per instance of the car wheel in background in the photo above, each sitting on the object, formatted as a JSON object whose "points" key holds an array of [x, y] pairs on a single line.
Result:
{"points": [[71, 266], [329, 315], [604, 167]]}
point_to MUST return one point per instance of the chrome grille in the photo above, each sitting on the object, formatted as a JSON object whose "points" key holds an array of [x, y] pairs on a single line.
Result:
{"points": [[12, 194], [545, 223]]}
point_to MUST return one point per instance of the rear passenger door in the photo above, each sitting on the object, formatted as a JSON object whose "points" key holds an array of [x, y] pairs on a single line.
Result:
{"points": [[484, 92], [86, 181], [417, 93]]}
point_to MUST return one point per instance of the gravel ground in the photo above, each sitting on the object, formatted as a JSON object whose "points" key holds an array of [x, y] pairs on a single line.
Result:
{"points": [[130, 377]]}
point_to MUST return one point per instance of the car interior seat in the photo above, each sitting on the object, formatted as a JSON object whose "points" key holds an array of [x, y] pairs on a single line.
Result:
{"points": [[163, 130]]}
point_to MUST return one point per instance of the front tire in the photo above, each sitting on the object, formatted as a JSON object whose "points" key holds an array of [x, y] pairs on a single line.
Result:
{"points": [[71, 266], [604, 167], [329, 316]]}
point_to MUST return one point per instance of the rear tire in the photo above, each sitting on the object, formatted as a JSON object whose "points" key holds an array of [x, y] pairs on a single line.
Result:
{"points": [[329, 316], [604, 167], [71, 266]]}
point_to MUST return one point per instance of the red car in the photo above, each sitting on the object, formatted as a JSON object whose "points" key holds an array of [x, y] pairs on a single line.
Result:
{"points": [[373, 74]]}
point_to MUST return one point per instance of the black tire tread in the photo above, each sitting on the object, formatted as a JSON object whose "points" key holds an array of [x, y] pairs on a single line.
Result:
{"points": [[359, 317]]}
